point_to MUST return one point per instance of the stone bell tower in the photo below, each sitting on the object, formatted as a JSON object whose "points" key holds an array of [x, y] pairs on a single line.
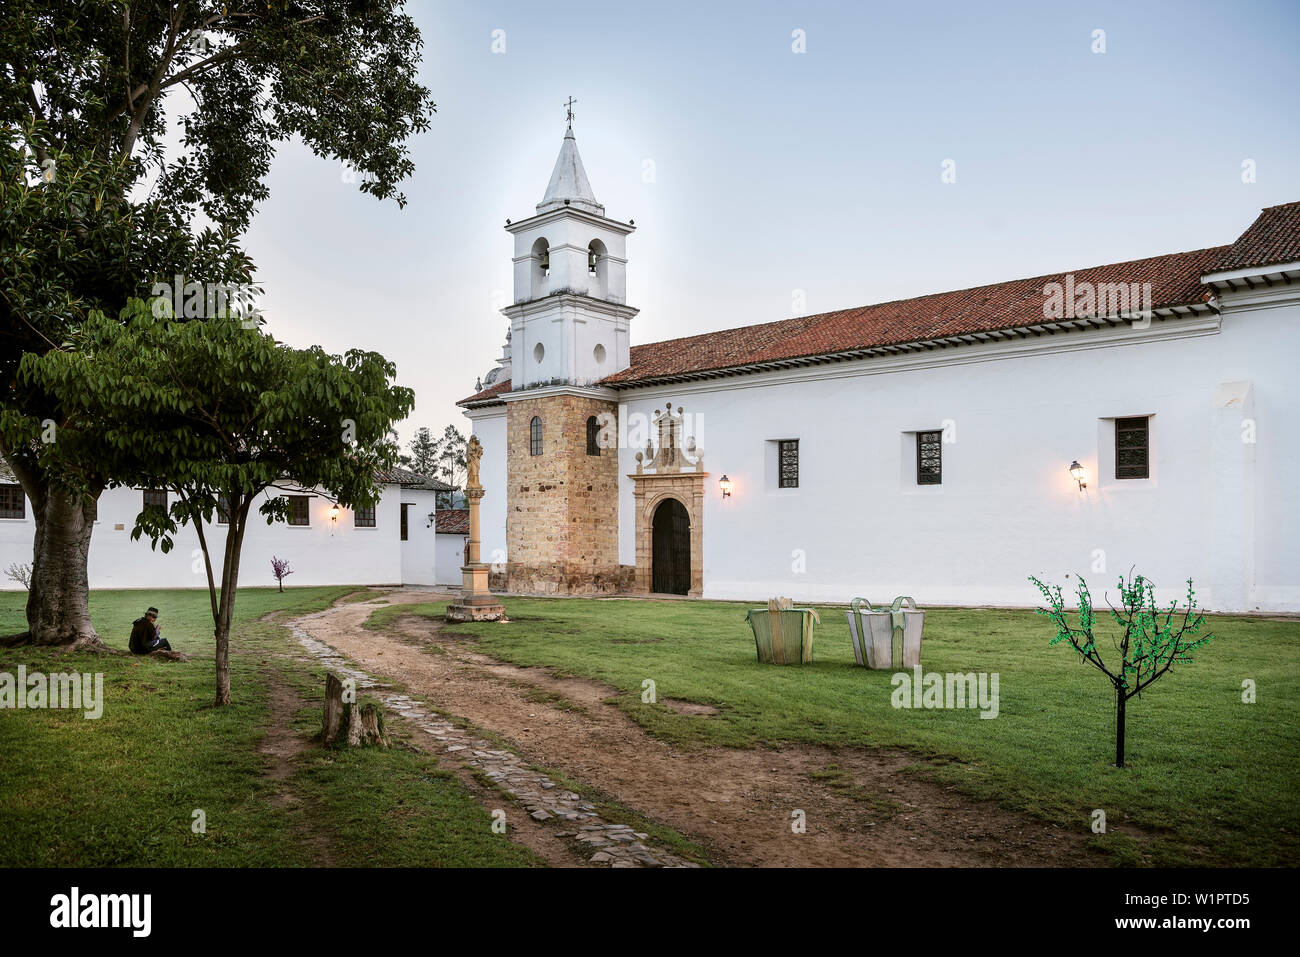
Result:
{"points": [[569, 328]]}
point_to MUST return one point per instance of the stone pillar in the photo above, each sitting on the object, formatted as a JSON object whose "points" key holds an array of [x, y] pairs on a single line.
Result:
{"points": [[476, 602]]}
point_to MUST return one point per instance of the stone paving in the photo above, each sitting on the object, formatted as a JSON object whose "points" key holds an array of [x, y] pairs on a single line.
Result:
{"points": [[602, 842]]}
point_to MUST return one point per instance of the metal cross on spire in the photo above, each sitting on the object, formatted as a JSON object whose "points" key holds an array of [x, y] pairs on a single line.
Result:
{"points": [[568, 109]]}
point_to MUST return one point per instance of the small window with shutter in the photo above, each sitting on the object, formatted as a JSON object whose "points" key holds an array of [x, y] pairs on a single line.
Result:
{"points": [[788, 463], [1133, 448], [929, 458]]}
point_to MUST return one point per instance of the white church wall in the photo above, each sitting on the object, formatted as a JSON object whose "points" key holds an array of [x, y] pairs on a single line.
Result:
{"points": [[1007, 507], [490, 427], [451, 558], [322, 553], [420, 550]]}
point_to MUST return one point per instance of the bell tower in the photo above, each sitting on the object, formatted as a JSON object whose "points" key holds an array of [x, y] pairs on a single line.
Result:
{"points": [[569, 322], [569, 326]]}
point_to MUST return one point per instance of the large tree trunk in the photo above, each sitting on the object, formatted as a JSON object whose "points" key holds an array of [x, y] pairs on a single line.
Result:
{"points": [[58, 604]]}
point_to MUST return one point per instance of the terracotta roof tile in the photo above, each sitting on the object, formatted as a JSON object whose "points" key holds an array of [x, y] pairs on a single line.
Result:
{"points": [[1175, 281], [1274, 237], [452, 521]]}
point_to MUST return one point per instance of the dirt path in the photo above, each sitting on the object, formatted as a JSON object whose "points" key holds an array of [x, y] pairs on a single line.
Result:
{"points": [[860, 805], [279, 748]]}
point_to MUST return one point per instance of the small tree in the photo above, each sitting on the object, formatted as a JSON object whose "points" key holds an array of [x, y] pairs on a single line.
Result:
{"points": [[280, 569], [219, 414], [1150, 643], [20, 572]]}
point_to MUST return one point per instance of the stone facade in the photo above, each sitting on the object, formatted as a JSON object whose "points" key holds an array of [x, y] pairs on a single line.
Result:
{"points": [[562, 512]]}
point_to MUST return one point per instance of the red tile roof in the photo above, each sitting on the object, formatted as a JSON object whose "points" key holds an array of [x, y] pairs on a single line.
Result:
{"points": [[1174, 279], [1272, 238], [453, 521]]}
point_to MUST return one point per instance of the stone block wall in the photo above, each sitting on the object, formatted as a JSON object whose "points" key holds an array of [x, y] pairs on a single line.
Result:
{"points": [[562, 505]]}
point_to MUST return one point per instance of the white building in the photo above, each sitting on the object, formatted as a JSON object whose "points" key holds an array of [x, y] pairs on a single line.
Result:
{"points": [[394, 543], [919, 447]]}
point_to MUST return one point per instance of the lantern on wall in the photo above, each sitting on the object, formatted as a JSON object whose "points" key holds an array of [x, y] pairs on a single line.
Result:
{"points": [[1079, 474], [724, 483]]}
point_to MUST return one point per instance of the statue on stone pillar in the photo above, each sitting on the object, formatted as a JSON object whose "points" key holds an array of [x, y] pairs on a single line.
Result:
{"points": [[473, 453]]}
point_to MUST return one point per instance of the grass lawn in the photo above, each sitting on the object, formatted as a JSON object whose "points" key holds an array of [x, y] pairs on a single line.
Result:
{"points": [[121, 790], [1211, 780]]}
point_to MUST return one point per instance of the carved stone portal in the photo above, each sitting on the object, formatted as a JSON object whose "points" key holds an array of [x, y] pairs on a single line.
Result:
{"points": [[673, 471]]}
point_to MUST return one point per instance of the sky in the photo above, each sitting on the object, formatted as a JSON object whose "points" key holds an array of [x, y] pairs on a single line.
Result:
{"points": [[766, 182]]}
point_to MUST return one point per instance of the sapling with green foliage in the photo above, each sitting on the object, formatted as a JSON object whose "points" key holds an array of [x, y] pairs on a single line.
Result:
{"points": [[219, 414], [1151, 640]]}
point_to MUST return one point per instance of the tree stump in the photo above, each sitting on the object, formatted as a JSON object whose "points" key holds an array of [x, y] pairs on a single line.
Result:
{"points": [[347, 722]]}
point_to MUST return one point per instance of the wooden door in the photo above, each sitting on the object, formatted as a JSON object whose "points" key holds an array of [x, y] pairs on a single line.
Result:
{"points": [[671, 569]]}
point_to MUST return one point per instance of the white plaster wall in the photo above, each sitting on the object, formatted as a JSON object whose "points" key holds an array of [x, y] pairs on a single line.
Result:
{"points": [[323, 553], [490, 427], [1007, 507], [451, 558], [419, 551]]}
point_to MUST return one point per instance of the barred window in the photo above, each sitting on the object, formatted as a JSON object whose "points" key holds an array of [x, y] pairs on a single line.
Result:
{"points": [[12, 503], [299, 509], [929, 458], [535, 436], [788, 463], [223, 509], [155, 498], [593, 436], [364, 517], [1133, 448], [405, 508]]}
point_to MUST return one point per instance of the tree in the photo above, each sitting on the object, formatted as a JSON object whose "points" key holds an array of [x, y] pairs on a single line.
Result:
{"points": [[424, 453], [280, 570], [1151, 641], [450, 464], [94, 209], [218, 413]]}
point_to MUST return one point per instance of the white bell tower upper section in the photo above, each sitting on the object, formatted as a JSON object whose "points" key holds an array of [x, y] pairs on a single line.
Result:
{"points": [[570, 318]]}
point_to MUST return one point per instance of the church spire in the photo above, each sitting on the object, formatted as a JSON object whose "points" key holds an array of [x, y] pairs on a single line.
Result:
{"points": [[569, 185]]}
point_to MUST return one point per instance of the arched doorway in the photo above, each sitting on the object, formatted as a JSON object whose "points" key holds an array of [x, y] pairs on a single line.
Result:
{"points": [[671, 568]]}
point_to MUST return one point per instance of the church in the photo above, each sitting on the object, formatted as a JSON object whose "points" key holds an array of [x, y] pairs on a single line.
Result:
{"points": [[1139, 415]]}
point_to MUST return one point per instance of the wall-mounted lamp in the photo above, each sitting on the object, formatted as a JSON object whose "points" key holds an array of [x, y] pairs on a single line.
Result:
{"points": [[1079, 474], [433, 516], [724, 483], [334, 513]]}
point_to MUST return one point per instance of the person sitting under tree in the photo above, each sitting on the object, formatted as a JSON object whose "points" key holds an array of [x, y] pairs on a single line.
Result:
{"points": [[146, 636]]}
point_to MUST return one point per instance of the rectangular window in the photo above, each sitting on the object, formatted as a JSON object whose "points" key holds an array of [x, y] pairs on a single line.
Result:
{"points": [[364, 517], [155, 498], [787, 457], [405, 506], [1133, 448], [299, 509], [223, 509], [929, 458], [12, 503]]}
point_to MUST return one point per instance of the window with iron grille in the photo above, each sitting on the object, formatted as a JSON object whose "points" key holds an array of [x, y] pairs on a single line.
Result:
{"points": [[155, 498], [1133, 448], [787, 454], [223, 509], [929, 458], [405, 507], [299, 509], [535, 436], [12, 503], [364, 517], [593, 436]]}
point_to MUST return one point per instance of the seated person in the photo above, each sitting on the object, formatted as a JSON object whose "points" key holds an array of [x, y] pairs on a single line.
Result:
{"points": [[146, 635]]}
